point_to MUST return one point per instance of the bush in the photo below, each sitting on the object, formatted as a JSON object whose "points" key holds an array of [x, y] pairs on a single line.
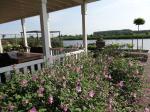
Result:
{"points": [[89, 84]]}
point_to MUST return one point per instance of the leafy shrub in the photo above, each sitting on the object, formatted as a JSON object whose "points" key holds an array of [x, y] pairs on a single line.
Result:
{"points": [[105, 83]]}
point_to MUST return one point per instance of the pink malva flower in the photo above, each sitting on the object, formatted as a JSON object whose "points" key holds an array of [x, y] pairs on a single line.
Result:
{"points": [[24, 83], [78, 89], [97, 78], [137, 72], [91, 94], [134, 95], [108, 77], [64, 107], [121, 84], [25, 102], [77, 69], [130, 64], [34, 77], [33, 110], [50, 100], [41, 89], [78, 82], [42, 81], [68, 65], [64, 78], [40, 92], [11, 107], [147, 110]]}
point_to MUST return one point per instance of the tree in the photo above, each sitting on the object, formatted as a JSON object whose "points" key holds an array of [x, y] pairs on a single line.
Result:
{"points": [[138, 22]]}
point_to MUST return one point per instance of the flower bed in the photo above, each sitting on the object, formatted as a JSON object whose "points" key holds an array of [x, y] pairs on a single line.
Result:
{"points": [[86, 85]]}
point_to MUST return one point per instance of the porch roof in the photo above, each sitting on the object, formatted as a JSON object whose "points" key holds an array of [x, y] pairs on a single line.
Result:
{"points": [[11, 10]]}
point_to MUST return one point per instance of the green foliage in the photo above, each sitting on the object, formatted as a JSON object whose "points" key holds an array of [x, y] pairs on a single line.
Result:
{"points": [[11, 47], [57, 42], [139, 21]]}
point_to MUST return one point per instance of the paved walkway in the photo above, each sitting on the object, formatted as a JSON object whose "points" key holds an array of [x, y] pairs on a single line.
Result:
{"points": [[145, 100]]}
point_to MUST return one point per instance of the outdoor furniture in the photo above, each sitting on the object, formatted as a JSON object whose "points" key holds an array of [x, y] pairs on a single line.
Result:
{"points": [[11, 58], [5, 60], [26, 57]]}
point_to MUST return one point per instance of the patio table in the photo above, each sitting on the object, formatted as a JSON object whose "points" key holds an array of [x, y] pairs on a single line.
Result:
{"points": [[26, 57]]}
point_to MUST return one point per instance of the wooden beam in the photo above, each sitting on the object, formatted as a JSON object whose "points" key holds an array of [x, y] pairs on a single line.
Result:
{"points": [[18, 9], [79, 1]]}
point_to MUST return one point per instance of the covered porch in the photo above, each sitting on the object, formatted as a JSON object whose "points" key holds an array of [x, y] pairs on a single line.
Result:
{"points": [[20, 10]]}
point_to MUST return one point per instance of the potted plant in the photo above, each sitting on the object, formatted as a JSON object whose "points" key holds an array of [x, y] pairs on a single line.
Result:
{"points": [[100, 43]]}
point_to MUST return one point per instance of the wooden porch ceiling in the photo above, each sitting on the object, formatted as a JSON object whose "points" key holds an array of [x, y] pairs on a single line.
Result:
{"points": [[11, 10]]}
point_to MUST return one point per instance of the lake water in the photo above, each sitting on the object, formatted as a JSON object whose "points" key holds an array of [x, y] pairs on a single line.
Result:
{"points": [[146, 42]]}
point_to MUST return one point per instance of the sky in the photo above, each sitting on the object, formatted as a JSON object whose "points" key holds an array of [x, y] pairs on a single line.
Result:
{"points": [[101, 16]]}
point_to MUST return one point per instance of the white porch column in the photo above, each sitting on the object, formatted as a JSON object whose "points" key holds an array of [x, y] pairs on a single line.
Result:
{"points": [[24, 34], [1, 47], [44, 29], [84, 33], [49, 34]]}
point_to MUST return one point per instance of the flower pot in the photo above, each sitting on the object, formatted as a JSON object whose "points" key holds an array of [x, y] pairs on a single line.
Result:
{"points": [[100, 44]]}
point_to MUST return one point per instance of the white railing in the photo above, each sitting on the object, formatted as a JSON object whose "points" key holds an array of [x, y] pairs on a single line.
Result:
{"points": [[59, 51], [36, 65], [62, 57]]}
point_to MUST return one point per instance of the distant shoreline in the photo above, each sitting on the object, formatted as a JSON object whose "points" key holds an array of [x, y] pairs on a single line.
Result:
{"points": [[108, 39]]}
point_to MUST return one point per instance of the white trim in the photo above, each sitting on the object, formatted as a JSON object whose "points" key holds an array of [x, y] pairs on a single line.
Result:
{"points": [[84, 33], [44, 29], [1, 47], [19, 66]]}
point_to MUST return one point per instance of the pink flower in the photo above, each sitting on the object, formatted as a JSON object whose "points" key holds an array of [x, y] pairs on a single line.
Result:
{"points": [[50, 100], [40, 92], [68, 65], [25, 102], [77, 69], [41, 89], [130, 64], [105, 71], [11, 107], [91, 94], [78, 89], [134, 95], [42, 81], [97, 78], [108, 77], [33, 110], [64, 107], [136, 72], [78, 86], [147, 110], [34, 77], [24, 83], [121, 84]]}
